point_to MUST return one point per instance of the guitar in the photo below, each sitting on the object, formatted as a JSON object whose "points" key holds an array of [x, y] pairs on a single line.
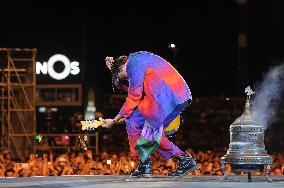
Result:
{"points": [[91, 124]]}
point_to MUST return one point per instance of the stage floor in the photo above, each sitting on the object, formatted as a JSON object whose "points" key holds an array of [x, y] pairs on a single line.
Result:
{"points": [[126, 181]]}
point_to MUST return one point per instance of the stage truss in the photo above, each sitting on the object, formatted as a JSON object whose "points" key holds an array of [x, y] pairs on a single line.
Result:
{"points": [[18, 100]]}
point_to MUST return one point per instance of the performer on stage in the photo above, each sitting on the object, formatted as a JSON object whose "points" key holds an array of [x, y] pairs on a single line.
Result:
{"points": [[157, 94]]}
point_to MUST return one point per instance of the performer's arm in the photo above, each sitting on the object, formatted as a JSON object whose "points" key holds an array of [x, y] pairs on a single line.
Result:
{"points": [[136, 69], [117, 118], [108, 123]]}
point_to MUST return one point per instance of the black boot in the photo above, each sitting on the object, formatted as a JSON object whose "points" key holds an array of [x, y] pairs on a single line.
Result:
{"points": [[186, 164], [144, 170]]}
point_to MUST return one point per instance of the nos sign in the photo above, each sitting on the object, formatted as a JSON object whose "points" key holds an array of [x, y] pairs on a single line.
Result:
{"points": [[48, 67]]}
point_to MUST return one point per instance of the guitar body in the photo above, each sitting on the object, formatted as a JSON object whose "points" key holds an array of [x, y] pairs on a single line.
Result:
{"points": [[173, 126]]}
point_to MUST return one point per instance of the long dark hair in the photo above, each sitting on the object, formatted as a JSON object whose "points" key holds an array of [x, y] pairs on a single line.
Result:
{"points": [[117, 64], [116, 68]]}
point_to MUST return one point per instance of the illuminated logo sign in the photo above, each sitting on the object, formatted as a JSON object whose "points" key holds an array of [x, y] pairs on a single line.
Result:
{"points": [[48, 67]]}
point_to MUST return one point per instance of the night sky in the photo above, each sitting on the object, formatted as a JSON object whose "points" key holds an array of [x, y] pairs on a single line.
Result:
{"points": [[205, 33]]}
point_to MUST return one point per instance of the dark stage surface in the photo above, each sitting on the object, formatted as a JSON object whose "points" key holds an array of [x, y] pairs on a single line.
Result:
{"points": [[125, 182]]}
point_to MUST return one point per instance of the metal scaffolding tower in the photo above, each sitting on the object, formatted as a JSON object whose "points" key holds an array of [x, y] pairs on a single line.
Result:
{"points": [[18, 100]]}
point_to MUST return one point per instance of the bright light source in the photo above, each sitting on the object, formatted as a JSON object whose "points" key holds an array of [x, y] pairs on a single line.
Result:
{"points": [[38, 138], [48, 67], [227, 99], [65, 61], [54, 109], [172, 45], [42, 109]]}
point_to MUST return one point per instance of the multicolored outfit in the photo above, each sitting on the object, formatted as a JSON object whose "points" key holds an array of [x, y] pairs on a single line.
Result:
{"points": [[157, 94]]}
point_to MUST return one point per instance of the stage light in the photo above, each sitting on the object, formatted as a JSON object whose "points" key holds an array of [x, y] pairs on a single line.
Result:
{"points": [[54, 109], [38, 138], [172, 45], [42, 109]]}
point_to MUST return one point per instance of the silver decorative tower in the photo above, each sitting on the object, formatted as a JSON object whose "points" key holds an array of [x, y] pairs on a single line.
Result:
{"points": [[246, 151]]}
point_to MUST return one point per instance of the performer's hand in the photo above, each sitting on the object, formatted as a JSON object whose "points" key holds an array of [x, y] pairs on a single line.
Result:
{"points": [[108, 123], [109, 61]]}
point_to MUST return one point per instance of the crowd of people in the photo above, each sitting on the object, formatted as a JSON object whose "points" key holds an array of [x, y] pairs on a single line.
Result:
{"points": [[86, 163]]}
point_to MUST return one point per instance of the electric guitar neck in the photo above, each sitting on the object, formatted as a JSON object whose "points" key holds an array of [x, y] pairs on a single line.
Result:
{"points": [[93, 124]]}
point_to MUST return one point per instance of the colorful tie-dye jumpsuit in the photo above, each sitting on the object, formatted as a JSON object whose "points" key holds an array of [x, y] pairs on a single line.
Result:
{"points": [[157, 94]]}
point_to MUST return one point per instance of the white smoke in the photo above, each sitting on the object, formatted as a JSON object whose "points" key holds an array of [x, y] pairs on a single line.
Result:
{"points": [[268, 96]]}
